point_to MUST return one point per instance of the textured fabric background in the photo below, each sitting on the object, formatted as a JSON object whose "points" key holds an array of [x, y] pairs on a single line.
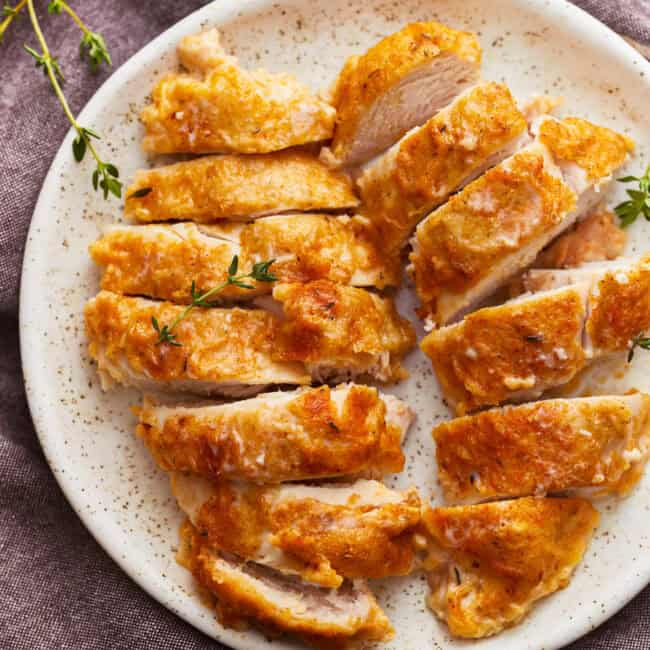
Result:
{"points": [[58, 589]]}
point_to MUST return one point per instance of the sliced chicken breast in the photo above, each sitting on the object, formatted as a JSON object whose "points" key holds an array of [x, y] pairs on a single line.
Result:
{"points": [[618, 304], [396, 85], [478, 130], [464, 251], [513, 352], [539, 341], [327, 332], [488, 564], [323, 534], [218, 107], [214, 188], [162, 261], [597, 445], [221, 351], [341, 332], [329, 619], [283, 436]]}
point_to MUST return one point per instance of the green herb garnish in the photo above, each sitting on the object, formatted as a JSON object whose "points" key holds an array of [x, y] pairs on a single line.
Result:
{"points": [[138, 194], [93, 48], [260, 273], [639, 341], [639, 201]]}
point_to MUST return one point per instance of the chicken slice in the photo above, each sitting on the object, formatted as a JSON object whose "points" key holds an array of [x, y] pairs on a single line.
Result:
{"points": [[327, 331], [618, 303], [283, 436], [513, 352], [162, 261], [396, 85], [218, 107], [600, 444], [464, 251], [221, 351], [214, 188], [489, 563], [324, 534], [539, 341], [478, 130], [341, 332], [330, 619]]}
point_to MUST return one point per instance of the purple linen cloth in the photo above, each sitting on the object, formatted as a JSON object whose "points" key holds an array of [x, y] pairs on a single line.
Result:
{"points": [[58, 589]]}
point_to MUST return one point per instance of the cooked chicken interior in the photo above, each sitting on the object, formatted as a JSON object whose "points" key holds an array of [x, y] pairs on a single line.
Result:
{"points": [[539, 341], [478, 130], [599, 443], [162, 261], [323, 534], [598, 237], [464, 251], [221, 351], [489, 563], [283, 436], [214, 188], [248, 592], [398, 84], [218, 107], [341, 332]]}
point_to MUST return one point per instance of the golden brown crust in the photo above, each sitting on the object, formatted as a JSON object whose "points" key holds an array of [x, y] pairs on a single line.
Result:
{"points": [[497, 215], [620, 308], [549, 446], [217, 345], [366, 78], [306, 436], [596, 149], [162, 261], [213, 188], [239, 599], [326, 542], [222, 108], [343, 327], [596, 238], [497, 352], [490, 562], [436, 159]]}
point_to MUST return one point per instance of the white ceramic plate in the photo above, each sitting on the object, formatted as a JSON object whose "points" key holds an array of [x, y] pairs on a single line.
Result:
{"points": [[87, 436]]}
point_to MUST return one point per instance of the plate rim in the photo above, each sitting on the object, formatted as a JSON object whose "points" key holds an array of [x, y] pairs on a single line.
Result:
{"points": [[587, 25]]}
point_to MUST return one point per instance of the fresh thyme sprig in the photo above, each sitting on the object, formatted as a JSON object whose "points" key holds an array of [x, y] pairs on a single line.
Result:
{"points": [[639, 341], [92, 47], [92, 44], [260, 272], [639, 201]]}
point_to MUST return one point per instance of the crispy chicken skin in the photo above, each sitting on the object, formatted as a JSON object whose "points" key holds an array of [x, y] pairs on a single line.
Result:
{"points": [[283, 436], [479, 129], [218, 107], [222, 351], [214, 188], [498, 224], [596, 238], [511, 352], [396, 85], [323, 534], [550, 446], [466, 249], [329, 619], [339, 331], [161, 261], [539, 341], [489, 563]]}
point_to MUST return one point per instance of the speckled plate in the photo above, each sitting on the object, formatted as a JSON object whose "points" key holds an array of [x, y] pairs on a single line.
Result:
{"points": [[87, 435]]}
